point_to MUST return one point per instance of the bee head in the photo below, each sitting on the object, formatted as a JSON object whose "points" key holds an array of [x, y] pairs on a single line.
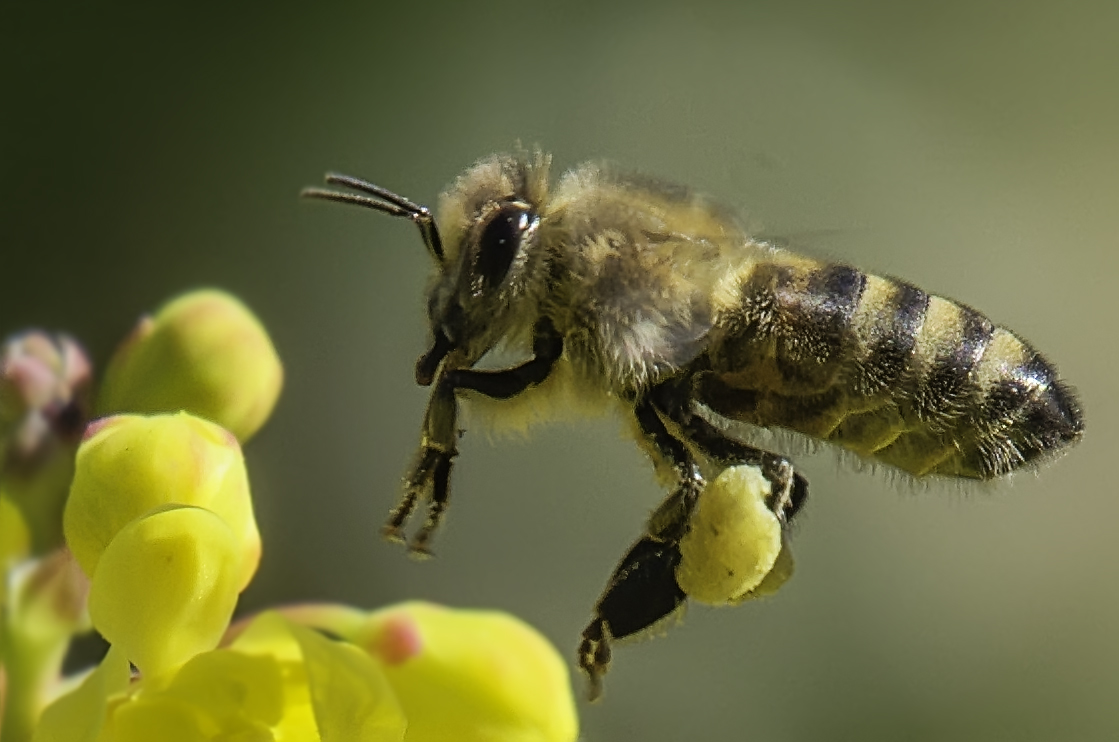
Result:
{"points": [[489, 272]]}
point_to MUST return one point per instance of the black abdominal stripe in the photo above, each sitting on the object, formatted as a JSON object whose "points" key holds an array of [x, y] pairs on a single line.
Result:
{"points": [[878, 366]]}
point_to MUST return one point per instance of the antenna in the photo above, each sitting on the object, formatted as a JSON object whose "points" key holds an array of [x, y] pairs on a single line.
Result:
{"points": [[383, 200]]}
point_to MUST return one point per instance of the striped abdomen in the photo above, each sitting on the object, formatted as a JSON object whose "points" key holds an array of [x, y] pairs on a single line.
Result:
{"points": [[884, 369]]}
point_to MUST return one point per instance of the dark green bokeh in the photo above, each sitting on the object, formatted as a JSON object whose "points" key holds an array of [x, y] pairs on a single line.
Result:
{"points": [[970, 148]]}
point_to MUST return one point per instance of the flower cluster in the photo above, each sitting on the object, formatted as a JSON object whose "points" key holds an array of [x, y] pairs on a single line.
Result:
{"points": [[160, 540]]}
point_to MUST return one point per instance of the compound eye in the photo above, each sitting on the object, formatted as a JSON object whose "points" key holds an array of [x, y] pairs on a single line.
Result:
{"points": [[499, 242]]}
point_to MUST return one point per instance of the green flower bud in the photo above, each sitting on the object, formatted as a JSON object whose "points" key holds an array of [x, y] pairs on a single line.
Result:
{"points": [[129, 465], [203, 352], [733, 540]]}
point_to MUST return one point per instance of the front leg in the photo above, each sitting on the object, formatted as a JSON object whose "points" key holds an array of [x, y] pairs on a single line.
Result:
{"points": [[430, 477]]}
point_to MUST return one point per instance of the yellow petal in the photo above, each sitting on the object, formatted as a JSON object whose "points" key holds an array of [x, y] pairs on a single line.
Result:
{"points": [[164, 589], [234, 689], [350, 695], [733, 540], [164, 718], [127, 465], [269, 635], [203, 352], [345, 690]]}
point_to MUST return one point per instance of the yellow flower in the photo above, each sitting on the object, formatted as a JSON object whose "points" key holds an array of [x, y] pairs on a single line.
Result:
{"points": [[160, 519], [463, 675], [277, 681], [414, 672], [203, 352], [128, 465]]}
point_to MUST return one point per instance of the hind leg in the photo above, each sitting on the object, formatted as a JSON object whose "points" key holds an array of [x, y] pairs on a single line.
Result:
{"points": [[643, 590]]}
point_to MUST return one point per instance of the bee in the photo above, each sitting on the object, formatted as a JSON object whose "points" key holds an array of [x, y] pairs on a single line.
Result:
{"points": [[619, 289]]}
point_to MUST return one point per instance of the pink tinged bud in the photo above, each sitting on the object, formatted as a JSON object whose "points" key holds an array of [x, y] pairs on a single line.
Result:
{"points": [[128, 465], [472, 675], [203, 352], [44, 390], [398, 640]]}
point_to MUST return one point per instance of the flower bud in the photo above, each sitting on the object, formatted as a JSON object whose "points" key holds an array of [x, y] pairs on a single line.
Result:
{"points": [[44, 390], [203, 352], [471, 675], [129, 465], [733, 540], [163, 590]]}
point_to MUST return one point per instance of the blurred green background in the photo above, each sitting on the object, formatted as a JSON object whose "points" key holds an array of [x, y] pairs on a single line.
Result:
{"points": [[972, 148]]}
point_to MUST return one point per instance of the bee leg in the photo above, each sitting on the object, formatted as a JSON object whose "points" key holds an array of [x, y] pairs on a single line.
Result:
{"points": [[440, 475], [642, 590], [790, 489], [413, 489], [432, 471]]}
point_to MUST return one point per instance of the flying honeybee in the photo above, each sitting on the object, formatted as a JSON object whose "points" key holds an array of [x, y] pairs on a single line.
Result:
{"points": [[625, 290]]}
